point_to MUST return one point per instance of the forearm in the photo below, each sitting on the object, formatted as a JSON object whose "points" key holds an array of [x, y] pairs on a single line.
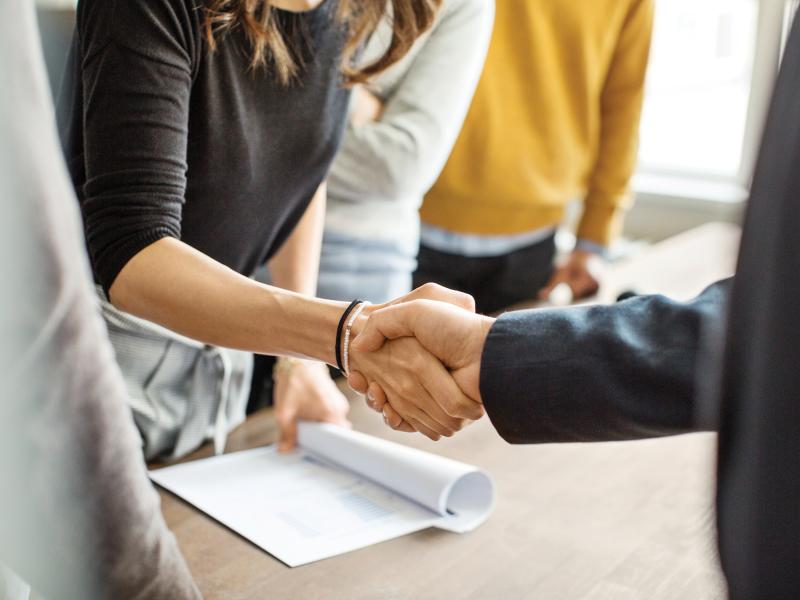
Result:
{"points": [[600, 373], [405, 150], [295, 266], [174, 285], [608, 195]]}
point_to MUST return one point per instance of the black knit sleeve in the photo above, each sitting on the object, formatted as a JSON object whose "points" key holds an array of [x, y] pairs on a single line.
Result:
{"points": [[137, 63]]}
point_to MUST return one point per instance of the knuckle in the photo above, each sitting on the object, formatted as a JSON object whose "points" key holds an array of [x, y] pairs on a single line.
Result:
{"points": [[431, 288], [456, 424], [469, 303], [408, 389], [452, 407]]}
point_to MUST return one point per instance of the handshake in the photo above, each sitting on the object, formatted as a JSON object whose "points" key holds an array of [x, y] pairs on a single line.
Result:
{"points": [[418, 360]]}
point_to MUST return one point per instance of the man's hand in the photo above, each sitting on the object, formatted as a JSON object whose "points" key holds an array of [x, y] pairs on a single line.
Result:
{"points": [[430, 291], [418, 385], [304, 391], [452, 335], [582, 272]]}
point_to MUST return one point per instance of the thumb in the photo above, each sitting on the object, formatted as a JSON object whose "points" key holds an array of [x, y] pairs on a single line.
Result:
{"points": [[386, 324], [287, 423]]}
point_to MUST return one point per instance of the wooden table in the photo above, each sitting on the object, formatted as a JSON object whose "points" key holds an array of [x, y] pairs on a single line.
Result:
{"points": [[574, 521]]}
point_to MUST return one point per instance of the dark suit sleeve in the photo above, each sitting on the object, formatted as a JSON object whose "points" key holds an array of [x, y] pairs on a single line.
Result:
{"points": [[598, 373]]}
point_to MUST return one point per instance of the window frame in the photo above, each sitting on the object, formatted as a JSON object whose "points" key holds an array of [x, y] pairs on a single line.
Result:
{"points": [[773, 20]]}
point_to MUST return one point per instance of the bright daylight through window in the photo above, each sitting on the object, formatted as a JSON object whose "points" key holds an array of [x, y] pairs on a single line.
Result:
{"points": [[698, 88]]}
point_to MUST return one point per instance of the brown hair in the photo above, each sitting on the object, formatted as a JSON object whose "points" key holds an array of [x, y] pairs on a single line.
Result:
{"points": [[272, 44]]}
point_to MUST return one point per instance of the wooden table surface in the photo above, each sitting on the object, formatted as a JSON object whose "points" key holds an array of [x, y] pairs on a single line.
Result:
{"points": [[614, 521]]}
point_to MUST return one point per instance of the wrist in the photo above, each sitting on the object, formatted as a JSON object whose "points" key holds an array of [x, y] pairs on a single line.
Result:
{"points": [[285, 366], [483, 326], [301, 326]]}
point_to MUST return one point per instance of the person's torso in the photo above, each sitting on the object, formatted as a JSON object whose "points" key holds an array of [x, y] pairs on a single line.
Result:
{"points": [[532, 131], [256, 149]]}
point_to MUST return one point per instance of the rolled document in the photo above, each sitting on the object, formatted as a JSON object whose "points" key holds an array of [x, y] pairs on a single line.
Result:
{"points": [[340, 491], [462, 495]]}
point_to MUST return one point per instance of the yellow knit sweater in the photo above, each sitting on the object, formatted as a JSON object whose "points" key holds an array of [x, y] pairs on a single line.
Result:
{"points": [[555, 117]]}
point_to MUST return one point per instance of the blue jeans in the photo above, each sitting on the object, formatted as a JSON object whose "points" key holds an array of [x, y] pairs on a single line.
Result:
{"points": [[374, 270]]}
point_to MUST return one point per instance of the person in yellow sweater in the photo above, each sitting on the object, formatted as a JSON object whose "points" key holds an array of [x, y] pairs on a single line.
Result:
{"points": [[555, 117]]}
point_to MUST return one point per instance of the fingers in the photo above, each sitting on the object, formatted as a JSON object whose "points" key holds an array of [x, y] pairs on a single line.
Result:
{"points": [[395, 421], [434, 291], [357, 382], [420, 427], [418, 386], [389, 323], [287, 424], [376, 400], [450, 400], [376, 397], [430, 420]]}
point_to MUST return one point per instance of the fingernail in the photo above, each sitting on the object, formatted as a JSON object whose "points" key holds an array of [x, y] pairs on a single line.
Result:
{"points": [[371, 396]]}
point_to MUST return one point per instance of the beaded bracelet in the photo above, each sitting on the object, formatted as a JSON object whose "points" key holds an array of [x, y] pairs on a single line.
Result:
{"points": [[347, 330], [339, 329]]}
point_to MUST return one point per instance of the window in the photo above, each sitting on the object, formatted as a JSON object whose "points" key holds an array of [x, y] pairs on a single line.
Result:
{"points": [[711, 73]]}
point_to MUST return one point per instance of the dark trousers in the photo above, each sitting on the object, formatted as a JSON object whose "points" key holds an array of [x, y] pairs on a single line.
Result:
{"points": [[496, 282]]}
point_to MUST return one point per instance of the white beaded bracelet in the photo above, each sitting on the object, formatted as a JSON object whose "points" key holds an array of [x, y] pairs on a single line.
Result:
{"points": [[346, 345]]}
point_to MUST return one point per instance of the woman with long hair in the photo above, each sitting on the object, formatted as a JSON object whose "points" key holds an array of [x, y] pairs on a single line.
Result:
{"points": [[198, 135]]}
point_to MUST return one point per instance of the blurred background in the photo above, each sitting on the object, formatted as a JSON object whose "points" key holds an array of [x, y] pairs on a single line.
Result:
{"points": [[712, 62]]}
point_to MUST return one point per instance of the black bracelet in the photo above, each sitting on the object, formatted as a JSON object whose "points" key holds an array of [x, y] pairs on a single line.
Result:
{"points": [[339, 330]]}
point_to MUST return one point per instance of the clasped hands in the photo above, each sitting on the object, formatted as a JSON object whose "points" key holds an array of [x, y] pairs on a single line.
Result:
{"points": [[416, 358], [418, 361]]}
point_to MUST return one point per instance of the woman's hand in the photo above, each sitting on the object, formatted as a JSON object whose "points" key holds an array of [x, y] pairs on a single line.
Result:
{"points": [[304, 391], [418, 386], [451, 334], [366, 107]]}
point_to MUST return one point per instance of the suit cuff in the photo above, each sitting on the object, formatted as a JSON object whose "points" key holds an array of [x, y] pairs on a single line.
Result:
{"points": [[510, 353]]}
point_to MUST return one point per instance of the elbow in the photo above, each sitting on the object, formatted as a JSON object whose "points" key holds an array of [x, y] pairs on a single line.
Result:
{"points": [[114, 265]]}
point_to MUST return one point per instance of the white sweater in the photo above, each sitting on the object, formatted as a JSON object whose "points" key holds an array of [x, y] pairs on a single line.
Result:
{"points": [[384, 169]]}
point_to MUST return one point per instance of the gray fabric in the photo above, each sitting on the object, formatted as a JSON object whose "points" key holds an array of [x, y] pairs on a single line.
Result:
{"points": [[78, 516], [11, 586], [181, 392], [383, 169]]}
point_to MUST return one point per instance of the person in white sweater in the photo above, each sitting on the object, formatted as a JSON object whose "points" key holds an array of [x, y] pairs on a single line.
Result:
{"points": [[401, 130]]}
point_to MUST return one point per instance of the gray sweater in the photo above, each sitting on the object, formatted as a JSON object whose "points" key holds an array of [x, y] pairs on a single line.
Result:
{"points": [[384, 168], [78, 516]]}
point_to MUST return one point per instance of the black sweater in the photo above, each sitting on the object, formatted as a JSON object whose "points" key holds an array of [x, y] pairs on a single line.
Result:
{"points": [[164, 138]]}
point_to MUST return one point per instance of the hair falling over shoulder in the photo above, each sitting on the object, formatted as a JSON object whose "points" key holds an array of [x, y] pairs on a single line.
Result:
{"points": [[271, 45]]}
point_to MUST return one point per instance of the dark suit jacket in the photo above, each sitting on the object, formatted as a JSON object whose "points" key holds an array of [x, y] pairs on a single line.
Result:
{"points": [[650, 366]]}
